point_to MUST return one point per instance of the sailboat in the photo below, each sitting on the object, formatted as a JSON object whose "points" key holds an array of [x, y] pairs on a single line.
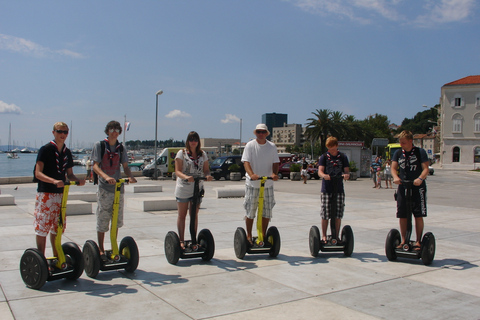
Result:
{"points": [[10, 154]]}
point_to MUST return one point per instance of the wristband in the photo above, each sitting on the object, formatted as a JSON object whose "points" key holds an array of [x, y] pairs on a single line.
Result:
{"points": [[421, 179]]}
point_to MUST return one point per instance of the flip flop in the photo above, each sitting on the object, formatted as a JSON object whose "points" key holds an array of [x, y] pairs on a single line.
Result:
{"points": [[416, 248]]}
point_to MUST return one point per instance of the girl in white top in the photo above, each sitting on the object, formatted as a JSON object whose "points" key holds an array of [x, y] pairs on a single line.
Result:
{"points": [[190, 162]]}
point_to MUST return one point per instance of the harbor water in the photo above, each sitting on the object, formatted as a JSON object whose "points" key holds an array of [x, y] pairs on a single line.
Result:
{"points": [[23, 166]]}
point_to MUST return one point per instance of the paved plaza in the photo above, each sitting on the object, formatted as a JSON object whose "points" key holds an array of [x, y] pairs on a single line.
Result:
{"points": [[294, 285]]}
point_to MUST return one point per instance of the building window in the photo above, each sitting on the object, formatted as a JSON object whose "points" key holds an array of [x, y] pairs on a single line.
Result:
{"points": [[457, 101], [476, 126], [476, 155], [457, 121], [477, 100], [456, 154]]}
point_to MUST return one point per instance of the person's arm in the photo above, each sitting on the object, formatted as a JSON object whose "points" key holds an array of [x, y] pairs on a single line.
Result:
{"points": [[128, 172], [322, 174], [423, 175], [43, 177], [248, 169], [206, 171], [72, 177], [394, 172], [275, 167]]}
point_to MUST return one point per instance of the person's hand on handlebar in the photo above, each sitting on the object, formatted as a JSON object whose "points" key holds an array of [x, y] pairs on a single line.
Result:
{"points": [[274, 177], [209, 178], [254, 177]]}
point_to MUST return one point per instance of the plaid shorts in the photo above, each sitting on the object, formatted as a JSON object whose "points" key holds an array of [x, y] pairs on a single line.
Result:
{"points": [[251, 202], [326, 200], [47, 212], [105, 210]]}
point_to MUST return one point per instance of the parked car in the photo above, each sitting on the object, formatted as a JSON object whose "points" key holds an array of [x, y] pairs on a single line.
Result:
{"points": [[284, 170], [219, 167]]}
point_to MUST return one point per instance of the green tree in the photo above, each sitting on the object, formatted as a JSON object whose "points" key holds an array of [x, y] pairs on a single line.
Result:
{"points": [[321, 126]]}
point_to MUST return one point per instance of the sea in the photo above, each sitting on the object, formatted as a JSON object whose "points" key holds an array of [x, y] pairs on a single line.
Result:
{"points": [[23, 166]]}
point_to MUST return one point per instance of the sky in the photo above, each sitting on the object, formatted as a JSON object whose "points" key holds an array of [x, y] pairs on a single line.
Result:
{"points": [[222, 64]]}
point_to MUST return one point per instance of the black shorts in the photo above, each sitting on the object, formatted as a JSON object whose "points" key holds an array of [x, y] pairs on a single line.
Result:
{"points": [[419, 198]]}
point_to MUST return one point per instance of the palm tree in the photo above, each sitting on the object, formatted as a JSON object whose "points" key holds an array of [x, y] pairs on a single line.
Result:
{"points": [[321, 126]]}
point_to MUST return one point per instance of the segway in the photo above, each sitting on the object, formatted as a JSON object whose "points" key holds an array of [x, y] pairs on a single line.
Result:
{"points": [[126, 257], [332, 244], [35, 269], [271, 243], [427, 246], [202, 246]]}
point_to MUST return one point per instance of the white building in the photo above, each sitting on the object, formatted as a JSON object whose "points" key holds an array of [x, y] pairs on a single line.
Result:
{"points": [[460, 124], [288, 135]]}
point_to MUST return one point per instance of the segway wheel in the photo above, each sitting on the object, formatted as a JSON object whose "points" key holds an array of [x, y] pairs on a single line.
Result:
{"points": [[273, 236], [172, 247], [91, 258], [428, 248], [314, 241], [128, 248], [348, 240], [74, 258], [393, 240], [205, 239], [33, 268], [240, 243]]}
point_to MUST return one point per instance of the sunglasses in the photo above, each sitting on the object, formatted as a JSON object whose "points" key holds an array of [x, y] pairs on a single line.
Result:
{"points": [[62, 131], [193, 140], [261, 131], [116, 130]]}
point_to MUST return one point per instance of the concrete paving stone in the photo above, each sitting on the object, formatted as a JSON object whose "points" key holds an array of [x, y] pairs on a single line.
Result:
{"points": [[5, 312], [114, 302], [234, 292], [393, 300], [310, 308]]}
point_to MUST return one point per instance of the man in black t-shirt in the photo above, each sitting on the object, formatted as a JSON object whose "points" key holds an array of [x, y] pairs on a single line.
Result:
{"points": [[410, 163]]}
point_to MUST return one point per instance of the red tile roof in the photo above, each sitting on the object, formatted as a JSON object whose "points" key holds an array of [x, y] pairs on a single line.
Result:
{"points": [[466, 80]]}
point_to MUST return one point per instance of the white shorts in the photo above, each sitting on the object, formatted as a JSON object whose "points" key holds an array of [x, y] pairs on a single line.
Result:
{"points": [[251, 202]]}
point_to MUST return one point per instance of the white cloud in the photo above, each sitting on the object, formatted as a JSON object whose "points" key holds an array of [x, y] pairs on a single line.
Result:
{"points": [[446, 11], [177, 114], [230, 118], [15, 44], [9, 108], [365, 11]]}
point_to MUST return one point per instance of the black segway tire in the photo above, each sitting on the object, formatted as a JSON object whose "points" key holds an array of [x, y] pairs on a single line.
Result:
{"points": [[428, 248], [205, 239], [128, 249], [393, 240], [91, 258], [33, 268], [273, 237], [74, 258], [172, 247], [314, 241], [240, 243], [348, 240]]}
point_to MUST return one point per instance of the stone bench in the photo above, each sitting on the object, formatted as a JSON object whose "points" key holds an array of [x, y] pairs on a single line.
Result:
{"points": [[230, 192], [84, 196], [152, 203], [139, 188], [78, 207], [7, 200]]}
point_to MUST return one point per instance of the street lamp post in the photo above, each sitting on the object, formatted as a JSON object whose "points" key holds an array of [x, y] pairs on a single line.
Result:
{"points": [[155, 173]]}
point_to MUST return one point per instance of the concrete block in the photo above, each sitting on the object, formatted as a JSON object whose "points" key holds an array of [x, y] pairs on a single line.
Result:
{"points": [[7, 200], [84, 196], [230, 192], [78, 207], [146, 188], [152, 204]]}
